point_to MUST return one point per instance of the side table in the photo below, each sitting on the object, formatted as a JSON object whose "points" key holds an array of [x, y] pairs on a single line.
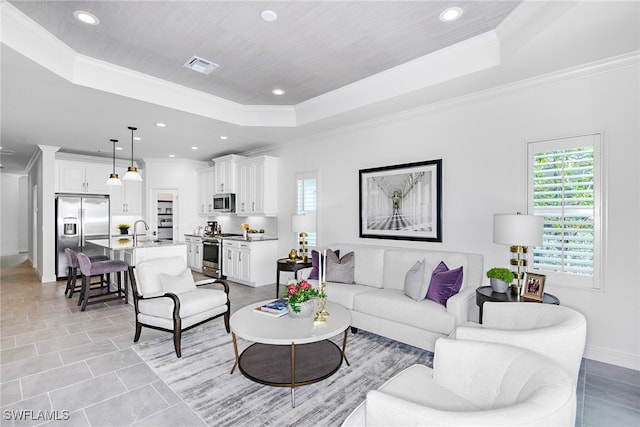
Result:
{"points": [[284, 264], [485, 293]]}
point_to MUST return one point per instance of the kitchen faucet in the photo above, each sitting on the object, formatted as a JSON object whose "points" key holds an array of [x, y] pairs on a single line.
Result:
{"points": [[135, 236]]}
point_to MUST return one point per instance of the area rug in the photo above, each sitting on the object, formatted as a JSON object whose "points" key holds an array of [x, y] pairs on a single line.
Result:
{"points": [[202, 379]]}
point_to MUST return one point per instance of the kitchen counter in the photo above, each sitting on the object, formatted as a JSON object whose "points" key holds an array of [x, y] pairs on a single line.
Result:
{"points": [[123, 243], [242, 239], [122, 248]]}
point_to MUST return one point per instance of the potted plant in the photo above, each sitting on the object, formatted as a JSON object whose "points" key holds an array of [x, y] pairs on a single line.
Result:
{"points": [[500, 279], [300, 296], [124, 228]]}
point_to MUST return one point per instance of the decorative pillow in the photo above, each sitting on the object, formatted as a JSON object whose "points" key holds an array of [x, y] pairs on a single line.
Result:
{"points": [[444, 283], [315, 262], [340, 270], [413, 281], [183, 282]]}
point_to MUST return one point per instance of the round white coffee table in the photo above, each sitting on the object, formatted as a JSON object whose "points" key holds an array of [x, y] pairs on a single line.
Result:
{"points": [[303, 343]]}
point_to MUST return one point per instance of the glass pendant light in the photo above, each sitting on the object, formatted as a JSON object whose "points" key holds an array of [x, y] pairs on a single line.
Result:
{"points": [[132, 173], [114, 179]]}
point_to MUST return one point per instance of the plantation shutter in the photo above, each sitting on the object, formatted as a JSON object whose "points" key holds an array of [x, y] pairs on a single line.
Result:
{"points": [[306, 190], [564, 189]]}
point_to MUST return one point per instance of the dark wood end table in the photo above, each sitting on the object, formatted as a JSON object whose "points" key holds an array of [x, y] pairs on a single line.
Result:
{"points": [[284, 264], [485, 293]]}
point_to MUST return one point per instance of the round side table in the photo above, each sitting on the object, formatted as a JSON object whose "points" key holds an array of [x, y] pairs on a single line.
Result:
{"points": [[284, 264], [485, 293]]}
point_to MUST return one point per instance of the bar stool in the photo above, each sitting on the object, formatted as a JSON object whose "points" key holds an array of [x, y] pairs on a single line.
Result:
{"points": [[89, 269], [72, 271]]}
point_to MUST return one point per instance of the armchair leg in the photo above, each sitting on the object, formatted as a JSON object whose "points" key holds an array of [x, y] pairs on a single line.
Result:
{"points": [[226, 322], [138, 330], [177, 335]]}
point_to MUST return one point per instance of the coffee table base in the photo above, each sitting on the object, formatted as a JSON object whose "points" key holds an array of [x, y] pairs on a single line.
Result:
{"points": [[290, 365]]}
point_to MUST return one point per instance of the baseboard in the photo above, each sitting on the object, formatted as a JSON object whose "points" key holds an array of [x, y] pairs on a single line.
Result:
{"points": [[625, 360]]}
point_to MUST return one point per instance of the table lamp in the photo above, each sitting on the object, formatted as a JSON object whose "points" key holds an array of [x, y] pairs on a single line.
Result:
{"points": [[302, 224], [518, 231]]}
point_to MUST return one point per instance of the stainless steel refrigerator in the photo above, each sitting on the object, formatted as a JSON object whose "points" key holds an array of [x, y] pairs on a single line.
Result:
{"points": [[79, 219]]}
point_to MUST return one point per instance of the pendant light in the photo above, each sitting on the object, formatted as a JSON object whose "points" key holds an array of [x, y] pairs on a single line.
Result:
{"points": [[113, 178], [132, 173]]}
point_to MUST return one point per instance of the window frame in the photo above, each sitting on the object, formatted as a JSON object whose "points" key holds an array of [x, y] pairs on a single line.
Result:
{"points": [[312, 237], [594, 281]]}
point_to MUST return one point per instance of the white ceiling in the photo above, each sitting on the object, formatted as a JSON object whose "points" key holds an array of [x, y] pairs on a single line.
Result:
{"points": [[330, 57]]}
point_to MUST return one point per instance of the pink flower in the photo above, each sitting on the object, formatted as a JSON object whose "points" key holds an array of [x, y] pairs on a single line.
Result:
{"points": [[292, 290], [305, 285]]}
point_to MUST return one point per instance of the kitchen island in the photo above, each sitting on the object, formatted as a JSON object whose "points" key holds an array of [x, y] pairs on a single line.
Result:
{"points": [[122, 248]]}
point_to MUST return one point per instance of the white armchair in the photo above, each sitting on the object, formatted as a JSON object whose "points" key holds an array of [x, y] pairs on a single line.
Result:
{"points": [[472, 384], [167, 298]]}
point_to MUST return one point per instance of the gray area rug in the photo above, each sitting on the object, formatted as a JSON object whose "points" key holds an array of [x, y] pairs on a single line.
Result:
{"points": [[201, 378]]}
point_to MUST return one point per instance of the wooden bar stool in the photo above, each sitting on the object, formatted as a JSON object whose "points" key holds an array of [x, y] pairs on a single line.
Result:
{"points": [[89, 269], [72, 271]]}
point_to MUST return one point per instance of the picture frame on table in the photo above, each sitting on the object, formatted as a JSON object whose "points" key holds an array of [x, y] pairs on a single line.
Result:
{"points": [[402, 201], [533, 288]]}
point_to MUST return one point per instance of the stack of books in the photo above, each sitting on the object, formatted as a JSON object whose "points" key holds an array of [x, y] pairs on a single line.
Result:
{"points": [[275, 308]]}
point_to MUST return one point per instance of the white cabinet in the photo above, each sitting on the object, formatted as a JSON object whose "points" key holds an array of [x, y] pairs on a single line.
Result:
{"points": [[206, 189], [125, 198], [194, 253], [250, 263], [225, 172], [81, 177], [257, 192]]}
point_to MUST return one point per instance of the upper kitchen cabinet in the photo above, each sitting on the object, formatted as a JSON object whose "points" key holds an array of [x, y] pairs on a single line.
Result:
{"points": [[206, 190], [225, 171], [257, 189], [126, 199], [81, 177]]}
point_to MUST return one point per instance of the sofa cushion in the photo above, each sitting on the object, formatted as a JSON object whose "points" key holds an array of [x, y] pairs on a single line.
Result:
{"points": [[340, 270], [178, 283], [148, 273], [414, 280], [396, 264], [394, 305], [444, 283], [316, 257], [369, 264], [345, 294]]}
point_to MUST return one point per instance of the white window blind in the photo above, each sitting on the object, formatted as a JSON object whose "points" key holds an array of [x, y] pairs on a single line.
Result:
{"points": [[564, 187], [306, 191]]}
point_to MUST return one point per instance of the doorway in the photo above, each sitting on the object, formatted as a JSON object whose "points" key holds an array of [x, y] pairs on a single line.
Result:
{"points": [[164, 213]]}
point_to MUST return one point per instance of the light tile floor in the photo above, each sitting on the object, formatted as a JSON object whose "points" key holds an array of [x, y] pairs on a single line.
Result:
{"points": [[81, 365]]}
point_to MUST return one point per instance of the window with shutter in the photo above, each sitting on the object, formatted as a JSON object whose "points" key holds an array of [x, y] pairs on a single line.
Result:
{"points": [[306, 185], [564, 187]]}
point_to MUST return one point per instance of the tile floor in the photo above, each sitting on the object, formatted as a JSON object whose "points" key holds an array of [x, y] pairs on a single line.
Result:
{"points": [[59, 362]]}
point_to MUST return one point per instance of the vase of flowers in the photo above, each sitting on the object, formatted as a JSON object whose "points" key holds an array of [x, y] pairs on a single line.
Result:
{"points": [[301, 298]]}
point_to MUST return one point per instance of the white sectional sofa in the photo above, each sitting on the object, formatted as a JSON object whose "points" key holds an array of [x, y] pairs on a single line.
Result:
{"points": [[378, 303]]}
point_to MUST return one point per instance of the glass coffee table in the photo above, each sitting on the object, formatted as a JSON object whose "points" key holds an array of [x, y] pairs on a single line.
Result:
{"points": [[289, 352]]}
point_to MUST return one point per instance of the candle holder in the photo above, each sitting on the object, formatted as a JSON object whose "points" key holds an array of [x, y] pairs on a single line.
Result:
{"points": [[322, 314]]}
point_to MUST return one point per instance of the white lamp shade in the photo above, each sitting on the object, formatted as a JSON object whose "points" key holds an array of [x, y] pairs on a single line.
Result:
{"points": [[132, 175], [517, 229], [114, 180], [303, 223]]}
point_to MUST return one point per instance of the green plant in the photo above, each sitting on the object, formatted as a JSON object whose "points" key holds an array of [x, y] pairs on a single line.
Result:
{"points": [[124, 226], [503, 274], [299, 293]]}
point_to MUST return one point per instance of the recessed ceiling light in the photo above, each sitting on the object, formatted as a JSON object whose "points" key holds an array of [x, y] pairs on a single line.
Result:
{"points": [[161, 125], [224, 137], [194, 148], [278, 92], [451, 14], [172, 155], [86, 17], [268, 15], [119, 148], [137, 138]]}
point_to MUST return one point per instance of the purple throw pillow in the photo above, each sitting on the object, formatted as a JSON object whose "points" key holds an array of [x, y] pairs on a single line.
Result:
{"points": [[315, 262], [444, 283]]}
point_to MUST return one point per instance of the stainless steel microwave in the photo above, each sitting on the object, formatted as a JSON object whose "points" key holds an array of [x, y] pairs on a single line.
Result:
{"points": [[224, 202]]}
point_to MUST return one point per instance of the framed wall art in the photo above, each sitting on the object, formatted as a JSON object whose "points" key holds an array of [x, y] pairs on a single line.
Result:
{"points": [[533, 286], [402, 201]]}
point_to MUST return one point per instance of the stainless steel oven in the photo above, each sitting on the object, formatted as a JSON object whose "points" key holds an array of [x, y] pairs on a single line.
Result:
{"points": [[212, 257]]}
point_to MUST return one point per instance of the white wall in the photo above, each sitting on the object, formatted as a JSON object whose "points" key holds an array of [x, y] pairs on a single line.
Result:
{"points": [[13, 212], [481, 141]]}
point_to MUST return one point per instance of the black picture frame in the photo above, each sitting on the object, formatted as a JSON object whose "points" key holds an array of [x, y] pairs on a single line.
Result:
{"points": [[402, 202]]}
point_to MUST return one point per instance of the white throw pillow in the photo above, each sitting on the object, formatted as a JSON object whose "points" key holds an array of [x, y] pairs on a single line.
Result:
{"points": [[183, 282], [414, 281]]}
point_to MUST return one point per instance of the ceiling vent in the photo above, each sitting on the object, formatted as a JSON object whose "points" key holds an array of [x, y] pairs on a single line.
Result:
{"points": [[200, 65]]}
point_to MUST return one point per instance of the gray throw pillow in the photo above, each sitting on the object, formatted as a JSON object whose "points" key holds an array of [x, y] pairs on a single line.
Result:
{"points": [[414, 280], [178, 284], [340, 270]]}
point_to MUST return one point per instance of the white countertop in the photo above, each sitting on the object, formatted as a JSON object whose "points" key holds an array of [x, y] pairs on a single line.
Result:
{"points": [[123, 243]]}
